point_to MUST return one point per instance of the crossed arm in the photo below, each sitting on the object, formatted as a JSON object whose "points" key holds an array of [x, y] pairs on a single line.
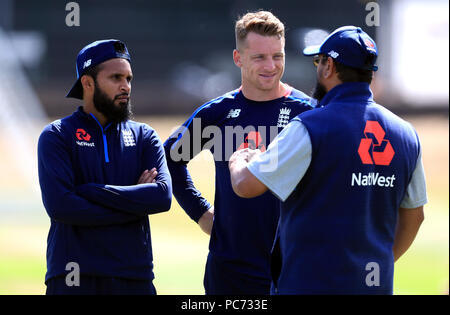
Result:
{"points": [[94, 204]]}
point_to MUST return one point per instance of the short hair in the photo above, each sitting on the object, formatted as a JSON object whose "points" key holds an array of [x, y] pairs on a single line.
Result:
{"points": [[93, 71], [350, 74], [260, 22]]}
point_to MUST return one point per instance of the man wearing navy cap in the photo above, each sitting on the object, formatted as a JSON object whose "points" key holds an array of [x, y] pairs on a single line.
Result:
{"points": [[350, 176], [101, 175]]}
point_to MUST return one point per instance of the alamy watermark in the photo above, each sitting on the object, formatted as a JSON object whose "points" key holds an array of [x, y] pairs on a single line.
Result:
{"points": [[73, 17], [373, 17], [373, 277], [73, 277], [222, 142]]}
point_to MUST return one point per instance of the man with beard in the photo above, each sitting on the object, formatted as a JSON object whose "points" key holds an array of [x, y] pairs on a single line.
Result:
{"points": [[101, 175], [350, 176]]}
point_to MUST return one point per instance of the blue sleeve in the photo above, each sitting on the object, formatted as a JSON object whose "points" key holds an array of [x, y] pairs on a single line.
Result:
{"points": [[142, 199], [181, 147], [56, 179]]}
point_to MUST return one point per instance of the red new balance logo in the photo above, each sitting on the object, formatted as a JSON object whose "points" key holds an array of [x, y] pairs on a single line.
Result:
{"points": [[373, 143], [82, 135]]}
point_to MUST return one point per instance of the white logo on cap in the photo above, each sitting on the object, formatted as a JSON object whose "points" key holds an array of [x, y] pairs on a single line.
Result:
{"points": [[333, 54], [87, 63]]}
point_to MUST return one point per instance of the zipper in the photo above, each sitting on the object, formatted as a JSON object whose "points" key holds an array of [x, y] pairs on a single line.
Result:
{"points": [[105, 143]]}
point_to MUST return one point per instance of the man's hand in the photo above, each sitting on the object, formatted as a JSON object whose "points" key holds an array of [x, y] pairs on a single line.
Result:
{"points": [[206, 221], [251, 154], [244, 155], [244, 183], [148, 177]]}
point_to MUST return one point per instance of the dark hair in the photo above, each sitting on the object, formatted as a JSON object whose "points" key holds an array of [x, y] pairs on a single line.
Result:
{"points": [[93, 71], [350, 74]]}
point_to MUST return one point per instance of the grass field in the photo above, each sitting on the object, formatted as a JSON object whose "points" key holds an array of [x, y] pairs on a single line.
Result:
{"points": [[180, 248]]}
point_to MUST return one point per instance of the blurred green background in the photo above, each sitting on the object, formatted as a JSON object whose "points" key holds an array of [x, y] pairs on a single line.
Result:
{"points": [[182, 57], [180, 247]]}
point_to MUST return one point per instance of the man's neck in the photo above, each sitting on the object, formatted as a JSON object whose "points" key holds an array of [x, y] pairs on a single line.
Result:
{"points": [[332, 83], [89, 108], [254, 94]]}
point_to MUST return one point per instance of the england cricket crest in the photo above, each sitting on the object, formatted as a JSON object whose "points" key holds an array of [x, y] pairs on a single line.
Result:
{"points": [[128, 138], [283, 117]]}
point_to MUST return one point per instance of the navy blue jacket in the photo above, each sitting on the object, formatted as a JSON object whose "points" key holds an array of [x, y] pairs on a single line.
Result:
{"points": [[243, 229], [337, 228], [99, 215]]}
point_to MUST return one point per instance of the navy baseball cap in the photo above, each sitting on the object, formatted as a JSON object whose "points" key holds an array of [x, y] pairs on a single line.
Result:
{"points": [[94, 54], [350, 46]]}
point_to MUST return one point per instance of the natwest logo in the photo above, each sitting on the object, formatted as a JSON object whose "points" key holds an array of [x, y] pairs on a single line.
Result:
{"points": [[253, 141], [374, 149], [81, 134]]}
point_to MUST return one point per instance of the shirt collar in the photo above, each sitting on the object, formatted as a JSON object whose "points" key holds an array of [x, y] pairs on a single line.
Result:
{"points": [[93, 120], [349, 92]]}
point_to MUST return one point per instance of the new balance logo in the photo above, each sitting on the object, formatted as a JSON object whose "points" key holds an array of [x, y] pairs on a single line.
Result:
{"points": [[283, 117], [128, 138], [87, 63], [333, 54], [234, 113]]}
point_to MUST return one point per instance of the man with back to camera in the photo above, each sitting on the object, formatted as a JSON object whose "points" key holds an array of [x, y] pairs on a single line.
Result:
{"points": [[350, 176], [242, 231], [101, 175]]}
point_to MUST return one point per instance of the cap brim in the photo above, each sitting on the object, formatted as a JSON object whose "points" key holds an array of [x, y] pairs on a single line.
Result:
{"points": [[76, 91], [311, 50]]}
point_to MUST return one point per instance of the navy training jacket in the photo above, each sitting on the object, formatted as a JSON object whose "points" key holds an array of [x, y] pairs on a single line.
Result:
{"points": [[99, 215], [244, 229], [337, 228]]}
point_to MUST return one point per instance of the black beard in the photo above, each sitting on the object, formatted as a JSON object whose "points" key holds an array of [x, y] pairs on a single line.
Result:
{"points": [[319, 92], [106, 106]]}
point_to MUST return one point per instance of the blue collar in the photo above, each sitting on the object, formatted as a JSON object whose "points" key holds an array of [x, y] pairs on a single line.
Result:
{"points": [[99, 124], [91, 117], [349, 92]]}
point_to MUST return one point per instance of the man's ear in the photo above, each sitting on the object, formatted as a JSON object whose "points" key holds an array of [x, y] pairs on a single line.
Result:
{"points": [[330, 68], [87, 82], [237, 58]]}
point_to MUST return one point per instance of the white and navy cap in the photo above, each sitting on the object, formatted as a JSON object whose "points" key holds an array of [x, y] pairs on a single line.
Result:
{"points": [[350, 46], [94, 54]]}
